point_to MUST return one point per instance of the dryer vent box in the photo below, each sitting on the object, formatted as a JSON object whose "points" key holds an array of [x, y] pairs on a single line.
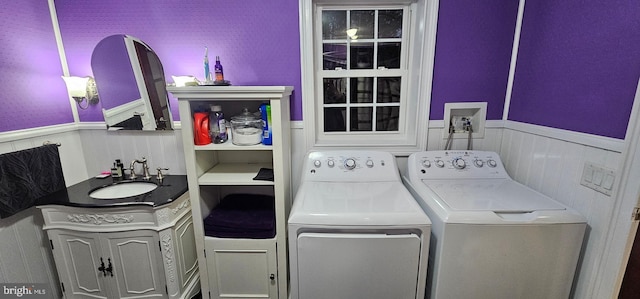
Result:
{"points": [[455, 114]]}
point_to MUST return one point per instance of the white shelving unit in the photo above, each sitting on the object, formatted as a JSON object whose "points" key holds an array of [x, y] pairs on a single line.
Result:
{"points": [[229, 267]]}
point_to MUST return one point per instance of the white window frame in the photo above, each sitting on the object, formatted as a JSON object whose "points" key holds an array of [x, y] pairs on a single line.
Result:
{"points": [[416, 90]]}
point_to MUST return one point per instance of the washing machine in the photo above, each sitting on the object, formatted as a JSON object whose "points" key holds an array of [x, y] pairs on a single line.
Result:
{"points": [[355, 231], [492, 237]]}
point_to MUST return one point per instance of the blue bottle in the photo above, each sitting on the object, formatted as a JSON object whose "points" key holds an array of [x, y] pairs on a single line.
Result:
{"points": [[265, 111]]}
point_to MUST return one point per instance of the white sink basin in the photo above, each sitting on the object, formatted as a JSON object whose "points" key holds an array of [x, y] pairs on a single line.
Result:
{"points": [[123, 190]]}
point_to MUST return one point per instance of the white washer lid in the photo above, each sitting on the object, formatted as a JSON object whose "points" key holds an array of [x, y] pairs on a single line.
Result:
{"points": [[379, 203], [498, 195]]}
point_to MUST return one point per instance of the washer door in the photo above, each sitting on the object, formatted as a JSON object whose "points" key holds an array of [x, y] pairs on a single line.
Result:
{"points": [[371, 266]]}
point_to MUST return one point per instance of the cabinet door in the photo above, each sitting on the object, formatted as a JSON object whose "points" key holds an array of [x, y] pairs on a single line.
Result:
{"points": [[244, 271], [137, 264], [77, 257], [186, 255]]}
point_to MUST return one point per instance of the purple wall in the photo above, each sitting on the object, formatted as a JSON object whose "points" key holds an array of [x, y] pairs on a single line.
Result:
{"points": [[578, 65], [33, 92], [577, 69], [473, 54], [257, 41], [113, 72]]}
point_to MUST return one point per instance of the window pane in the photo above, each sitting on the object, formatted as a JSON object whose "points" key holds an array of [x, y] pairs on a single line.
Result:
{"points": [[387, 118], [388, 90], [334, 24], [361, 118], [389, 55], [389, 23], [363, 21], [362, 90], [362, 56], [334, 56], [335, 119], [335, 90]]}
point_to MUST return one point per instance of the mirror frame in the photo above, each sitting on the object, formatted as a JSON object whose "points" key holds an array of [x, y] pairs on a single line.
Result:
{"points": [[138, 114]]}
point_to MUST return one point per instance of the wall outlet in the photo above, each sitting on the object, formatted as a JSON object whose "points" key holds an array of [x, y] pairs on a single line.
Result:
{"points": [[598, 178]]}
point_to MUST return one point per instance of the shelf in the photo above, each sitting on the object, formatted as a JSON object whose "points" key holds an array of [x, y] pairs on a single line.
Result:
{"points": [[221, 260], [234, 174], [229, 146], [240, 241]]}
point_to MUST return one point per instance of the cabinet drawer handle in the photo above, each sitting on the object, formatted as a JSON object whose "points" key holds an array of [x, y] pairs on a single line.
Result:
{"points": [[110, 268], [102, 268], [272, 276]]}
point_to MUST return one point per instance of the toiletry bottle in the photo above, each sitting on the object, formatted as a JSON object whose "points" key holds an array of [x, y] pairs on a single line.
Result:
{"points": [[207, 73], [218, 70], [119, 168], [114, 171], [265, 111], [217, 125]]}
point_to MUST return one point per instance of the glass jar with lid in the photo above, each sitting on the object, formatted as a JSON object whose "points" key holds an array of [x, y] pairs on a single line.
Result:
{"points": [[246, 129]]}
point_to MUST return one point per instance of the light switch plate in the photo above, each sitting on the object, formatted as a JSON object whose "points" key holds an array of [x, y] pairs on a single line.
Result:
{"points": [[598, 178]]}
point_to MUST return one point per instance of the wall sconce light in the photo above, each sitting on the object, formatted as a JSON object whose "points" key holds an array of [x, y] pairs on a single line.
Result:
{"points": [[82, 89]]}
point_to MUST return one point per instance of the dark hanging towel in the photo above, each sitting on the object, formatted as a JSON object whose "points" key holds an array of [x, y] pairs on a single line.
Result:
{"points": [[26, 176]]}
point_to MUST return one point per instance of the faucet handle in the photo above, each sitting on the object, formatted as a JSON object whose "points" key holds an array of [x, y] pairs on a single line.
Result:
{"points": [[160, 176]]}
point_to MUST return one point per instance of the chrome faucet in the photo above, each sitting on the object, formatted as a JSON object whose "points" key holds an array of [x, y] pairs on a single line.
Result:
{"points": [[145, 169]]}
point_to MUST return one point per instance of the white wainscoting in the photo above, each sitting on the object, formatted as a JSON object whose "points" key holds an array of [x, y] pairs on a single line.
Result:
{"points": [[160, 148], [540, 158], [554, 167], [71, 153], [24, 255], [490, 142]]}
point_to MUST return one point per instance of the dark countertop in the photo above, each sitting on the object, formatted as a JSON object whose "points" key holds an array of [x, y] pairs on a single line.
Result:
{"points": [[78, 195]]}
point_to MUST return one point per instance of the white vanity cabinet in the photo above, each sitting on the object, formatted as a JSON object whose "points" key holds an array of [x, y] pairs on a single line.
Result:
{"points": [[238, 267], [98, 263], [124, 252]]}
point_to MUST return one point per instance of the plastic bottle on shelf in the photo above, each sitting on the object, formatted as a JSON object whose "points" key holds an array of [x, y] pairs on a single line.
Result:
{"points": [[218, 70], [217, 125], [201, 131], [265, 111]]}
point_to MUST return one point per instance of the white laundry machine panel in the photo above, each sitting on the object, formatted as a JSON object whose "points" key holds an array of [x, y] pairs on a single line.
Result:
{"points": [[355, 231], [492, 237]]}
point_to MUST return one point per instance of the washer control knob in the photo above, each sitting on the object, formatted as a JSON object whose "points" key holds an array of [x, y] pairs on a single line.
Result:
{"points": [[440, 163], [369, 163], [317, 163], [350, 164], [426, 163], [459, 163], [492, 163], [331, 163], [478, 163]]}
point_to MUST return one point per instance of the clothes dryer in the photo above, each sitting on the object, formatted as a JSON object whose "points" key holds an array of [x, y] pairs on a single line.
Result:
{"points": [[492, 237], [355, 231]]}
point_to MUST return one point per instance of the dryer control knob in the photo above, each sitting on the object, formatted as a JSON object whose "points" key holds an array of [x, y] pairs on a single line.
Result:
{"points": [[459, 163], [440, 163], [426, 163], [492, 163], [350, 164], [331, 163], [478, 163], [317, 163], [369, 163]]}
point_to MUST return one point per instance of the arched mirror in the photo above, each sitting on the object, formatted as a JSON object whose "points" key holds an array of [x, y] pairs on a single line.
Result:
{"points": [[130, 81]]}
